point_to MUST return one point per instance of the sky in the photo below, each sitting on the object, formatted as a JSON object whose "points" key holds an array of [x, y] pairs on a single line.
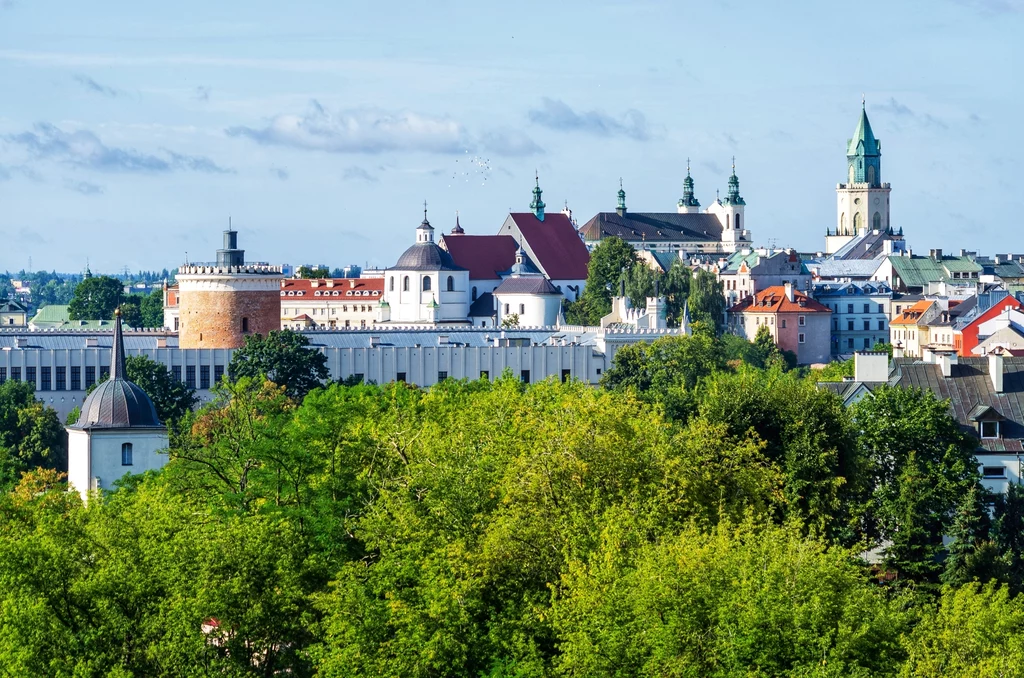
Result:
{"points": [[130, 132]]}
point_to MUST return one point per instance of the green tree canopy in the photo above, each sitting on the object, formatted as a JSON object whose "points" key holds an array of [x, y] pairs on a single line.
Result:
{"points": [[96, 298], [707, 300], [609, 260], [31, 435], [284, 357]]}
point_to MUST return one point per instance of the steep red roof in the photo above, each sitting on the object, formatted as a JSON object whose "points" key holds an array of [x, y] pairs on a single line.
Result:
{"points": [[484, 255], [555, 245], [326, 287], [773, 300]]}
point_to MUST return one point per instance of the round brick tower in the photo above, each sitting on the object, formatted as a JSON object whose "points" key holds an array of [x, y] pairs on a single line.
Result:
{"points": [[221, 302]]}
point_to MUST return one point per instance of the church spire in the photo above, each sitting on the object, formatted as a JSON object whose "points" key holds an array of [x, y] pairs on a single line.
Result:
{"points": [[458, 229], [537, 205], [117, 350], [424, 232], [621, 205], [733, 197], [688, 200], [864, 153]]}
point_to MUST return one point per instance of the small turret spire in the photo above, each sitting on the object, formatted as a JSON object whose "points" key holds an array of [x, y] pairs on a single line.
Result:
{"points": [[621, 206], [688, 201], [458, 228], [733, 197], [117, 350], [537, 205]]}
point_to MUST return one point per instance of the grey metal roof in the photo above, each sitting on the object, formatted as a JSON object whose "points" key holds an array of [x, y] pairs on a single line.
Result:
{"points": [[845, 268], [428, 336], [968, 387], [74, 340], [426, 256], [526, 285], [653, 226]]}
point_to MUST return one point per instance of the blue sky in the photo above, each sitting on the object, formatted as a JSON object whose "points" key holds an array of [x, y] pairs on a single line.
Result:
{"points": [[130, 132]]}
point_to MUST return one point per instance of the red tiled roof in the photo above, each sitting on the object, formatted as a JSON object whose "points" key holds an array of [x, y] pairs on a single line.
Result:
{"points": [[555, 244], [484, 255], [773, 300], [345, 287]]}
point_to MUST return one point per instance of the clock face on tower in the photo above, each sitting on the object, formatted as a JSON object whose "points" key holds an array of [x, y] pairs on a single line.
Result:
{"points": [[856, 201], [877, 201]]}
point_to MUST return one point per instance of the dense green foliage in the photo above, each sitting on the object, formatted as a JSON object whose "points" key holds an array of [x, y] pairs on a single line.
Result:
{"points": [[143, 310], [283, 357], [610, 260], [701, 514], [31, 435], [171, 397], [95, 298], [707, 300]]}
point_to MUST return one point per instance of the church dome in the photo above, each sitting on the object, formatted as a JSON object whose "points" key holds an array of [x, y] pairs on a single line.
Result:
{"points": [[426, 256], [117, 402]]}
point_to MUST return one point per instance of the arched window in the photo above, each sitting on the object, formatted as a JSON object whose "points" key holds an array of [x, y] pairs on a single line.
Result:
{"points": [[391, 287], [727, 221], [522, 308], [736, 223], [856, 223], [474, 294], [245, 324], [405, 284], [451, 284], [426, 283], [871, 175], [126, 454], [876, 222], [842, 222]]}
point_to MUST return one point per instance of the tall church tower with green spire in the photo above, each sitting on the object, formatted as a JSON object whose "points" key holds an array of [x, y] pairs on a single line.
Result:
{"points": [[863, 201]]}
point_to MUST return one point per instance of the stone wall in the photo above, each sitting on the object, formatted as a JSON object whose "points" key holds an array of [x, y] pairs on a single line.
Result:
{"points": [[222, 318]]}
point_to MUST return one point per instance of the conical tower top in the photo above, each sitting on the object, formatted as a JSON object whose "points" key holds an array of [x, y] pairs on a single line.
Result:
{"points": [[537, 205]]}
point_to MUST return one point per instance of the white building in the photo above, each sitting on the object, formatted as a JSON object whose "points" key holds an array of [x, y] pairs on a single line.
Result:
{"points": [[527, 296], [117, 433], [425, 286]]}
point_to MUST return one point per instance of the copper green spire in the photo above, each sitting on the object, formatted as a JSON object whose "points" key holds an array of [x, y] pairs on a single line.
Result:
{"points": [[537, 206], [621, 206], [733, 197], [864, 153], [688, 200]]}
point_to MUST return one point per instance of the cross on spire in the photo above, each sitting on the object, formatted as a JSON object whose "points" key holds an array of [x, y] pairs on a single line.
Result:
{"points": [[424, 210]]}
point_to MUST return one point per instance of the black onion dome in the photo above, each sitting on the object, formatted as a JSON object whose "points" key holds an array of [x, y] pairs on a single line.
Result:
{"points": [[426, 256], [117, 402]]}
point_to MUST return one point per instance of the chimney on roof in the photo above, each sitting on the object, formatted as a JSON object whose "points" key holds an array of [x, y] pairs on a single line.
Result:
{"points": [[945, 364], [935, 254], [995, 371], [789, 291], [871, 366]]}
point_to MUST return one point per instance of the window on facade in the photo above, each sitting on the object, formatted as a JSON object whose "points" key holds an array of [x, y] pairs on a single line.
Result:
{"points": [[867, 324], [391, 284], [849, 308], [218, 373], [484, 374], [506, 309], [993, 472], [474, 294], [126, 454], [801, 320], [800, 337], [990, 429], [3, 374], [849, 325], [245, 324], [204, 376], [405, 284], [736, 224], [426, 283], [525, 376], [451, 284], [44, 379], [190, 376], [30, 375], [867, 342], [400, 377], [876, 221], [522, 308], [783, 323], [442, 375], [90, 376], [867, 308], [849, 342], [881, 325], [175, 372], [62, 378]]}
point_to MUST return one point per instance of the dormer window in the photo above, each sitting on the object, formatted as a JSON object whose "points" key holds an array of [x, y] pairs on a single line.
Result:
{"points": [[988, 429]]}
